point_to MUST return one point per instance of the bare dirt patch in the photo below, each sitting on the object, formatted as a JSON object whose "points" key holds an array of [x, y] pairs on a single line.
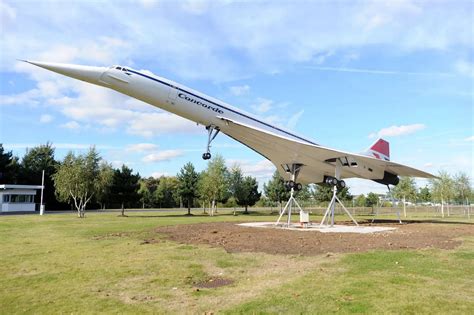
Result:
{"points": [[235, 238]]}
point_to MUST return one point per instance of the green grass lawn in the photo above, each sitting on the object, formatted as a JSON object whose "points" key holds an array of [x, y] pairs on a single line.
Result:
{"points": [[100, 264]]}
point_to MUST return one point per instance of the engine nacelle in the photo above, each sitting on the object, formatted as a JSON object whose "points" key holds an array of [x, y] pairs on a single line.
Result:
{"points": [[388, 179]]}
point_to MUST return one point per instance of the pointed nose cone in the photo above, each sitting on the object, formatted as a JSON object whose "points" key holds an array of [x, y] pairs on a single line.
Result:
{"points": [[85, 73]]}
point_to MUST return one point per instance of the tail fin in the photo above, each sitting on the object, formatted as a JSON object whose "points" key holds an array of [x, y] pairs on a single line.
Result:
{"points": [[380, 150]]}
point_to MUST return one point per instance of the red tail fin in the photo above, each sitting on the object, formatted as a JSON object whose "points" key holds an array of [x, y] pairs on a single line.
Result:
{"points": [[380, 149]]}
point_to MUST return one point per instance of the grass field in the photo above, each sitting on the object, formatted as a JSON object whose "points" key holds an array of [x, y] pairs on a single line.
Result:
{"points": [[101, 264]]}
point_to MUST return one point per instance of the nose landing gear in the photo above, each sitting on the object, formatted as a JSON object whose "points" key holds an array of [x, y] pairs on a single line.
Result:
{"points": [[212, 132]]}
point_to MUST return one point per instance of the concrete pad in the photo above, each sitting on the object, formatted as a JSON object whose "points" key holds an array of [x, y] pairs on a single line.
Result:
{"points": [[322, 229]]}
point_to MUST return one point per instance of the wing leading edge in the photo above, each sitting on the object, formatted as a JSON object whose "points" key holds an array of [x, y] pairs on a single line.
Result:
{"points": [[318, 161]]}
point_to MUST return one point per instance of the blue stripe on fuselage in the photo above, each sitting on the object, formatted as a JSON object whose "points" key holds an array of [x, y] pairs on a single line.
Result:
{"points": [[224, 107]]}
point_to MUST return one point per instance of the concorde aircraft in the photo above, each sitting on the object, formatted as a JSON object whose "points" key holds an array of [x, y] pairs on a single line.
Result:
{"points": [[298, 160]]}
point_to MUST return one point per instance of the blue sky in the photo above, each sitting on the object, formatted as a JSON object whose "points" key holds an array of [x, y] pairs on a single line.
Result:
{"points": [[342, 73]]}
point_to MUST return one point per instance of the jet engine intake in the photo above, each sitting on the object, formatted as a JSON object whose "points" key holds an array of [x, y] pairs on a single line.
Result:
{"points": [[388, 179]]}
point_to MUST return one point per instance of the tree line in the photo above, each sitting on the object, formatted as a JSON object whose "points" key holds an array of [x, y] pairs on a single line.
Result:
{"points": [[88, 181]]}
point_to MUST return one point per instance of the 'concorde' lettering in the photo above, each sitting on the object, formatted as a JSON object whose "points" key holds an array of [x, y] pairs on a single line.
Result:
{"points": [[192, 100]]}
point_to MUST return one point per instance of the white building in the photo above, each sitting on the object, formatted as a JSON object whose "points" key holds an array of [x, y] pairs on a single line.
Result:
{"points": [[17, 197]]}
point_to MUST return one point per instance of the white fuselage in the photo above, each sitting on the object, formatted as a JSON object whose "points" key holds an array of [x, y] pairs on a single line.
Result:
{"points": [[183, 101]]}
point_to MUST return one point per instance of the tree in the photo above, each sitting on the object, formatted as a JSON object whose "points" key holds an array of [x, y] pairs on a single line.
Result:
{"points": [[462, 188], [213, 185], [9, 167], [247, 193], [188, 184], [442, 189], [32, 165], [405, 189], [165, 193], [424, 194], [147, 190], [323, 193], [124, 189], [371, 200], [106, 179], [360, 201], [275, 189], [305, 194], [235, 182], [76, 179]]}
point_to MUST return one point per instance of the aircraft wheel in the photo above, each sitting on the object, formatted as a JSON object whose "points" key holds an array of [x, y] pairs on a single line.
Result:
{"points": [[342, 184], [331, 181], [298, 187], [291, 184], [206, 156]]}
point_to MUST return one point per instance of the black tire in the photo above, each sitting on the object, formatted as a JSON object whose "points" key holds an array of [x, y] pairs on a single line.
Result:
{"points": [[291, 184], [342, 184], [206, 156], [298, 187]]}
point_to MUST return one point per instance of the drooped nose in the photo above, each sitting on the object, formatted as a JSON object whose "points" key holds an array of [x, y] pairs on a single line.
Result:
{"points": [[85, 73]]}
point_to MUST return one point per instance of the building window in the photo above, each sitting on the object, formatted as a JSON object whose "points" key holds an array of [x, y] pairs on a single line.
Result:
{"points": [[6, 198]]}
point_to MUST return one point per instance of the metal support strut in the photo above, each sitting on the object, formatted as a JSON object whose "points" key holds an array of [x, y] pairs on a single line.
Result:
{"points": [[393, 205], [330, 211], [294, 170], [212, 132]]}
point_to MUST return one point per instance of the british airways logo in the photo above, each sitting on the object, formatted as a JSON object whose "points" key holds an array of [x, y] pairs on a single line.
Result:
{"points": [[199, 103]]}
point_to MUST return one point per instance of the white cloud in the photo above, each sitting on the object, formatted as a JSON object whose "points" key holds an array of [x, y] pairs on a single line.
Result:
{"points": [[72, 125], [469, 139], [233, 39], [68, 146], [465, 68], [263, 169], [395, 131], [162, 156], [159, 174], [263, 105], [378, 71], [141, 147], [239, 90], [294, 119], [45, 118]]}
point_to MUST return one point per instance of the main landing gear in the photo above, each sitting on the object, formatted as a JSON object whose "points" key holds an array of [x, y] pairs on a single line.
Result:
{"points": [[212, 132], [337, 184], [333, 181], [293, 186]]}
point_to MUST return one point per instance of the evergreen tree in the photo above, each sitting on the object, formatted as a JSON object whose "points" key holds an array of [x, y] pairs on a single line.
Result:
{"points": [[9, 167], [246, 193], [188, 184], [323, 193], [31, 168], [124, 189], [275, 189]]}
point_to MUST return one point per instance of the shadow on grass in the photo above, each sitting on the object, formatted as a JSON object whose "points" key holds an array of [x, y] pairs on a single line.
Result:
{"points": [[410, 221], [202, 215]]}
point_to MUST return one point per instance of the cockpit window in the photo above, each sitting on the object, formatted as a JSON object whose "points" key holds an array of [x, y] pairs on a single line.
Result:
{"points": [[118, 68]]}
